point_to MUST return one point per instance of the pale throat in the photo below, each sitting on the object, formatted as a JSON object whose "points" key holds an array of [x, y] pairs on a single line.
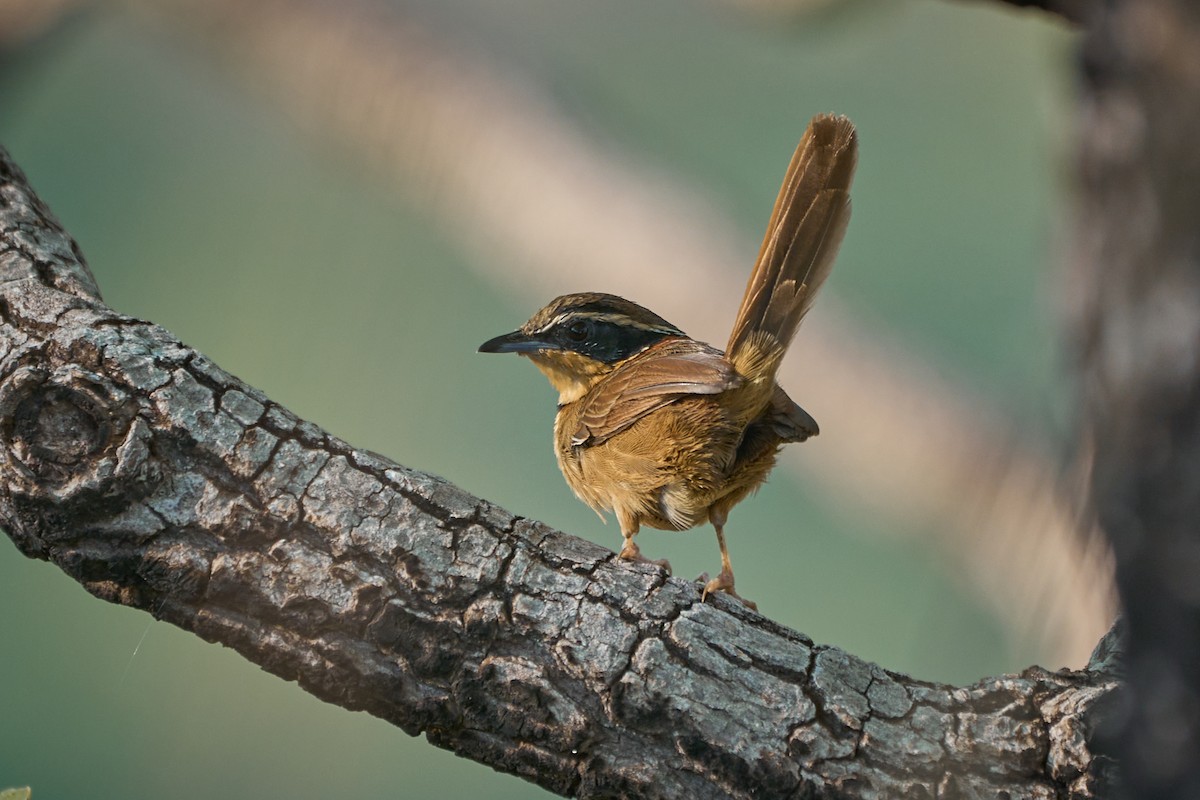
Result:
{"points": [[571, 375]]}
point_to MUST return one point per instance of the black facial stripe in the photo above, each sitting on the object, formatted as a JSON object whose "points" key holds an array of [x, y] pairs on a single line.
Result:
{"points": [[607, 341]]}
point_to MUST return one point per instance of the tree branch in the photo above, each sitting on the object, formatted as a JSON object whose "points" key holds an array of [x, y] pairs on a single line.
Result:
{"points": [[987, 495], [1070, 10], [161, 482]]}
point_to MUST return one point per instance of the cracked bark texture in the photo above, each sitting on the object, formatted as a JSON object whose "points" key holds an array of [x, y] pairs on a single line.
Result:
{"points": [[161, 482]]}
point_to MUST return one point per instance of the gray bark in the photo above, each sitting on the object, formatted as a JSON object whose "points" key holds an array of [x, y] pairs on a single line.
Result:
{"points": [[161, 482]]}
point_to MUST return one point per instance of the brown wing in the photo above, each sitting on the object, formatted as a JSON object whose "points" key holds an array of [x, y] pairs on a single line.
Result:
{"points": [[648, 381], [788, 420], [802, 238]]}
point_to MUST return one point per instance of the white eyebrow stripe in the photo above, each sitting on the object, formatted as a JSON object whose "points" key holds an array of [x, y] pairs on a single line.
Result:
{"points": [[602, 316]]}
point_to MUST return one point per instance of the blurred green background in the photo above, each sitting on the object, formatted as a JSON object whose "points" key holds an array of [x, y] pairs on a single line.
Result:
{"points": [[201, 206]]}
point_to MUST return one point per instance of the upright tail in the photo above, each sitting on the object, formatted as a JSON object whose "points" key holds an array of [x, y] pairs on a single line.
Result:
{"points": [[806, 229]]}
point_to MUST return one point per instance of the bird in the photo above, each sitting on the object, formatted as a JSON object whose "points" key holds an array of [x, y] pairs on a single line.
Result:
{"points": [[668, 432]]}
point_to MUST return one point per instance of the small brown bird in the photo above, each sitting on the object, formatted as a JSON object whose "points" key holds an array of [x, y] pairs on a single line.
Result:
{"points": [[670, 432]]}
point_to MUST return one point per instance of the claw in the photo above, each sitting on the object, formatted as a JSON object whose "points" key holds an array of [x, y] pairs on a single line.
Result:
{"points": [[724, 583], [631, 552]]}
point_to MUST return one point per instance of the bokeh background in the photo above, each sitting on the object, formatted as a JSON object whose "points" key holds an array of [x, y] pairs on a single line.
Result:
{"points": [[352, 283]]}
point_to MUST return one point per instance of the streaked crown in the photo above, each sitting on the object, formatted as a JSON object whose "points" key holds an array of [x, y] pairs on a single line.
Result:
{"points": [[603, 327]]}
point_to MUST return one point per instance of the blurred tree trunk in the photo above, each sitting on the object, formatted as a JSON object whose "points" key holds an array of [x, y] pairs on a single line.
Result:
{"points": [[1137, 268]]}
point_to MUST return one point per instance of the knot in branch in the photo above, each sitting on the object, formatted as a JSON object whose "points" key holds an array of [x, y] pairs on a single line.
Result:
{"points": [[67, 431]]}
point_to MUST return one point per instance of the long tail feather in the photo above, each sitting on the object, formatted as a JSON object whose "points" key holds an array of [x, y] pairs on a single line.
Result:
{"points": [[797, 253]]}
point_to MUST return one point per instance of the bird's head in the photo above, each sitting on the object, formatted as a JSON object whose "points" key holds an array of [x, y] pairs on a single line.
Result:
{"points": [[577, 339]]}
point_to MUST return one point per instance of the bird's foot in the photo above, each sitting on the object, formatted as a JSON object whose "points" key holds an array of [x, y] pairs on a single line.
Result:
{"points": [[724, 583], [631, 552]]}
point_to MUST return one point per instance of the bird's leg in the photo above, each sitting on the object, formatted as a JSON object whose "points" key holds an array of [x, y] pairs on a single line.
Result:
{"points": [[630, 551], [724, 581]]}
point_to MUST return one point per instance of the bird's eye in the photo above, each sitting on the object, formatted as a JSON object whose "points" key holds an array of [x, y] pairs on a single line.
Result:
{"points": [[578, 330]]}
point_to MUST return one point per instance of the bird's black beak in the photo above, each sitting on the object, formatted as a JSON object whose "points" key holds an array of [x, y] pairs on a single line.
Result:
{"points": [[515, 342]]}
